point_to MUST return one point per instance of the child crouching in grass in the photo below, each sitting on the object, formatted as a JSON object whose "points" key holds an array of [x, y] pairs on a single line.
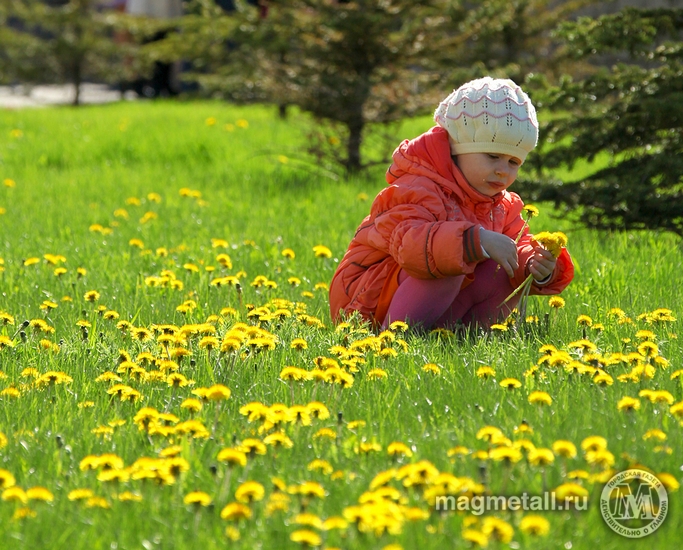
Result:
{"points": [[439, 246]]}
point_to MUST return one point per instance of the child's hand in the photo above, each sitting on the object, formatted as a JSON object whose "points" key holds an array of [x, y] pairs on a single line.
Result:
{"points": [[500, 248], [542, 263]]}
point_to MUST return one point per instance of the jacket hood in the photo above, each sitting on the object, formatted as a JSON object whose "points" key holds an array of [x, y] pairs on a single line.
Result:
{"points": [[429, 156]]}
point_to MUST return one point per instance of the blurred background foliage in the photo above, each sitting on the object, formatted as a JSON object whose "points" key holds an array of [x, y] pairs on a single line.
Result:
{"points": [[609, 87]]}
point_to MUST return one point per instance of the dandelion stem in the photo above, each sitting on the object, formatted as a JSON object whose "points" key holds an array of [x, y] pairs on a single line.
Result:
{"points": [[526, 283]]}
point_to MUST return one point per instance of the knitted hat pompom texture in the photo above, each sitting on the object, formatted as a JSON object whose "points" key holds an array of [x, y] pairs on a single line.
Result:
{"points": [[489, 115]]}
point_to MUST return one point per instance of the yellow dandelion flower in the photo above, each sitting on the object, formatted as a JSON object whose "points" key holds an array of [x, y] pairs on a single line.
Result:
{"points": [[603, 379], [677, 409], [128, 496], [91, 296], [601, 457], [335, 522], [24, 513], [554, 242], [570, 491], [278, 439], [320, 465], [628, 404], [584, 320], [556, 302], [318, 410], [7, 480], [14, 493], [485, 372], [510, 383], [326, 433], [534, 525], [460, 450], [399, 449], [505, 454], [192, 405], [148, 216], [489, 433], [564, 448], [540, 457], [299, 344], [593, 443], [432, 368], [497, 529], [197, 498], [253, 447], [80, 494], [250, 491], [654, 433], [39, 493], [669, 481], [306, 538], [322, 251], [475, 538], [366, 447], [236, 511], [540, 398], [309, 489], [377, 374], [218, 392], [232, 457], [658, 396], [648, 349]]}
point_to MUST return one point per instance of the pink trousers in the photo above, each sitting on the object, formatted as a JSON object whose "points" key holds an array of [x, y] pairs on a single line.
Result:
{"points": [[439, 303]]}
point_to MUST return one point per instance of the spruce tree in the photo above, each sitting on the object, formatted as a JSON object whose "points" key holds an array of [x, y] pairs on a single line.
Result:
{"points": [[63, 41], [358, 66], [629, 111]]}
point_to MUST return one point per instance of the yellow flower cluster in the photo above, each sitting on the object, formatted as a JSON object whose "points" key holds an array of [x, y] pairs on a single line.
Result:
{"points": [[554, 242]]}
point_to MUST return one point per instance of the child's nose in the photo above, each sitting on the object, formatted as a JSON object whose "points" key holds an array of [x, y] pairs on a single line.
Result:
{"points": [[501, 169]]}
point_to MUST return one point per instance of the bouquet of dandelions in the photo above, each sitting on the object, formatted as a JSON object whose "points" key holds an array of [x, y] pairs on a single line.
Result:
{"points": [[553, 242]]}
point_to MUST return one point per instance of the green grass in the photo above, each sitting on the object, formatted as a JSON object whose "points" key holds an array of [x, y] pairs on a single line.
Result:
{"points": [[74, 169]]}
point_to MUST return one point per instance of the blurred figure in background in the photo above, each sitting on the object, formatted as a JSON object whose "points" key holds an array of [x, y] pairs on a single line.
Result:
{"points": [[164, 80]]}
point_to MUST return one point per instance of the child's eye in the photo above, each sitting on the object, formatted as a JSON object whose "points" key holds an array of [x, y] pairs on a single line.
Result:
{"points": [[492, 156]]}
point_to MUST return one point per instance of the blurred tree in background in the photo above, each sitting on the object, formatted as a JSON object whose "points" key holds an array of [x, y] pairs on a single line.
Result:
{"points": [[64, 42], [348, 64], [360, 65], [510, 37], [630, 112]]}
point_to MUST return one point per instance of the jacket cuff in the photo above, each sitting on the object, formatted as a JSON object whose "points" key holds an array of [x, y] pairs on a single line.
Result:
{"points": [[472, 250]]}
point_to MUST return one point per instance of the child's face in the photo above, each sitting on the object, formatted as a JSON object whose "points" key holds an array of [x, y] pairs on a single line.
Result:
{"points": [[489, 173]]}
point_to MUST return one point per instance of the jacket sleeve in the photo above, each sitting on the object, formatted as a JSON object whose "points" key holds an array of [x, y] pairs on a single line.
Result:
{"points": [[409, 223]]}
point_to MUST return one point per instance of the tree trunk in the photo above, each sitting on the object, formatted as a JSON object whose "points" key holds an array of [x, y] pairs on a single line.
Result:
{"points": [[353, 159], [282, 111], [77, 76]]}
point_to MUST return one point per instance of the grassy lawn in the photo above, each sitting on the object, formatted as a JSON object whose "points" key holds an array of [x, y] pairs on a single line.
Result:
{"points": [[161, 273]]}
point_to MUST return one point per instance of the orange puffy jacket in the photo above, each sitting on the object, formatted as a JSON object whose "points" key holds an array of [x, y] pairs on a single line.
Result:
{"points": [[427, 222]]}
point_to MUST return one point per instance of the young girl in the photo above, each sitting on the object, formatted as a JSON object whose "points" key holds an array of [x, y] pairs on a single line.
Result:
{"points": [[439, 246]]}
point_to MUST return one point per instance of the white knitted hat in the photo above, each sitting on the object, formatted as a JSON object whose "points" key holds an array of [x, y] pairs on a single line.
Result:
{"points": [[489, 116]]}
